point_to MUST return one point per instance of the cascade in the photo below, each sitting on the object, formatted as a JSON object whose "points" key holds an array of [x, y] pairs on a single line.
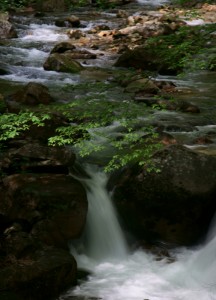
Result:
{"points": [[103, 237], [117, 274]]}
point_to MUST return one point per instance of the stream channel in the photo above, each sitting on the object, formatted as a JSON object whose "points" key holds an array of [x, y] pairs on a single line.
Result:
{"points": [[116, 272]]}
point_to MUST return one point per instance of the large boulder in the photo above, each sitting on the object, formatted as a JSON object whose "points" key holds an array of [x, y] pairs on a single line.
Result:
{"points": [[63, 47], [175, 205], [46, 202], [37, 158], [62, 63], [42, 276], [32, 94], [142, 85], [69, 49], [143, 57], [74, 21]]}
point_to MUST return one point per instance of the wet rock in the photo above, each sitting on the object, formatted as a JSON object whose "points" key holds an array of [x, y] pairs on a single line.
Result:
{"points": [[122, 14], [142, 85], [47, 233], [165, 86], [80, 54], [44, 275], [166, 138], [62, 63], [61, 23], [144, 58], [99, 28], [4, 220], [74, 21], [54, 197], [63, 47], [32, 94], [203, 140], [132, 20], [185, 106], [175, 205], [69, 22], [166, 104], [147, 30], [37, 158], [75, 34], [105, 33], [7, 30], [18, 243]]}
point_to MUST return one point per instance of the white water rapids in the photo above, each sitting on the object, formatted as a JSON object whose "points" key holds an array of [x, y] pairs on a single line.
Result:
{"points": [[117, 273]]}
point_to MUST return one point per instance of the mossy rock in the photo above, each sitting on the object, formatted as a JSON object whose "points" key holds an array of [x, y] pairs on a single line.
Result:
{"points": [[62, 63]]}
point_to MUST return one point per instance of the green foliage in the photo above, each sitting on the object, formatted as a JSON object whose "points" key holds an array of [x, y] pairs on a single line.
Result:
{"points": [[12, 125], [184, 47], [90, 129]]}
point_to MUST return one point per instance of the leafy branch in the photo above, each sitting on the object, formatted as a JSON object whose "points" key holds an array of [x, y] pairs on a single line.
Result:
{"points": [[92, 126], [12, 125]]}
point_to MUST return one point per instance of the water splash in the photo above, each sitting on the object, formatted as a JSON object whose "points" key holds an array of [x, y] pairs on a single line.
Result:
{"points": [[117, 274]]}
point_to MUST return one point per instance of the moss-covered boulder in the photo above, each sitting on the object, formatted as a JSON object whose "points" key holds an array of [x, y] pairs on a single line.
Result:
{"points": [[62, 63]]}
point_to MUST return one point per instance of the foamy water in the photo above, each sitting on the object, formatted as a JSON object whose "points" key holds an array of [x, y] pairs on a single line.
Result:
{"points": [[117, 273]]}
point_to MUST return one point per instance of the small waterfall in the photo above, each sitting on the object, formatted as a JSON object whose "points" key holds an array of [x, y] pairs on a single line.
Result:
{"points": [[103, 238], [117, 274]]}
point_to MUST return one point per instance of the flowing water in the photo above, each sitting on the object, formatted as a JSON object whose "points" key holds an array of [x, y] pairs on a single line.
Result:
{"points": [[102, 226], [117, 272]]}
